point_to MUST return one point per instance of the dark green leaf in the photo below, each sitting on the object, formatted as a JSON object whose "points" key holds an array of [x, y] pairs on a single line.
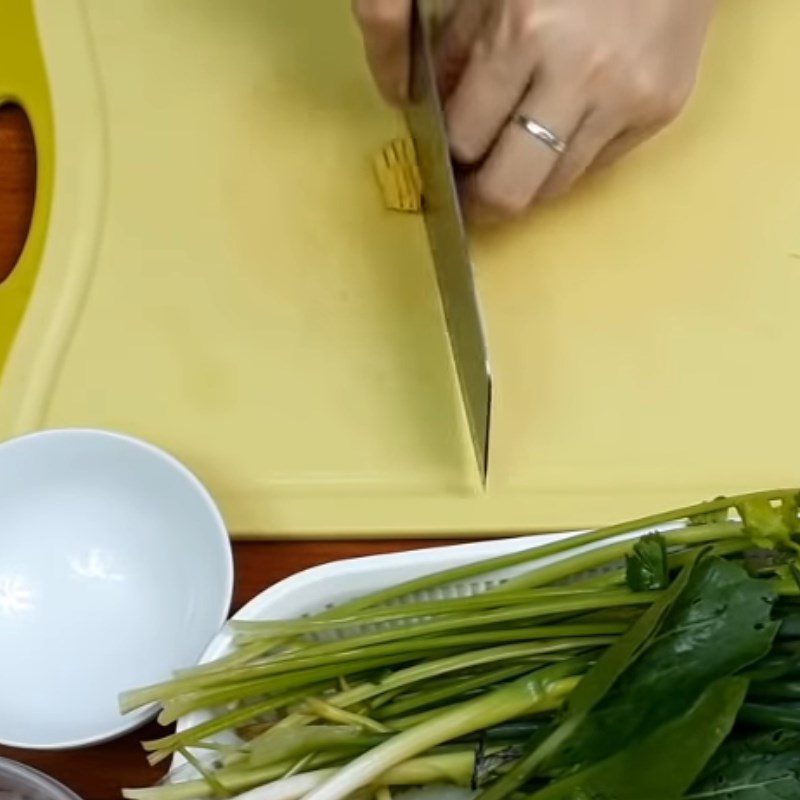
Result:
{"points": [[719, 624], [763, 767], [592, 688], [663, 765], [647, 568]]}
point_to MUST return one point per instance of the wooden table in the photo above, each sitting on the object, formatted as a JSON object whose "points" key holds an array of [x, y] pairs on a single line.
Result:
{"points": [[100, 772]]}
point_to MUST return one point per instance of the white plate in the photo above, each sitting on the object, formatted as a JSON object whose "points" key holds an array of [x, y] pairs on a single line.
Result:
{"points": [[115, 570]]}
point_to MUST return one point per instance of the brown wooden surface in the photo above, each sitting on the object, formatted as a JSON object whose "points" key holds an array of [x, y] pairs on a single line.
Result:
{"points": [[98, 773], [17, 184]]}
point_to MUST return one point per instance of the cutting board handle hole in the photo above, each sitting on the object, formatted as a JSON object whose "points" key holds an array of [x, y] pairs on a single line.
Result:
{"points": [[17, 185]]}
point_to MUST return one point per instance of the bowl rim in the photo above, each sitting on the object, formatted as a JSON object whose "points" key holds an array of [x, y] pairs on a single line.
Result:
{"points": [[136, 719], [40, 780]]}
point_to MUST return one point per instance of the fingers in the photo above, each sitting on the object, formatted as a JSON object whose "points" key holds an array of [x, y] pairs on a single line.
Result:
{"points": [[493, 83], [464, 22], [386, 25], [623, 144], [593, 137], [519, 165]]}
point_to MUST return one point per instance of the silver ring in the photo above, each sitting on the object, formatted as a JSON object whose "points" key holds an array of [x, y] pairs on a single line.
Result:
{"points": [[542, 134]]}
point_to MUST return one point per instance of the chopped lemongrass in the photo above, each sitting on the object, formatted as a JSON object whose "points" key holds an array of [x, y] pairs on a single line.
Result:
{"points": [[399, 177]]}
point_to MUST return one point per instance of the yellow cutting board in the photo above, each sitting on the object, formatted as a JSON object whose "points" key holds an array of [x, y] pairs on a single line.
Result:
{"points": [[219, 276]]}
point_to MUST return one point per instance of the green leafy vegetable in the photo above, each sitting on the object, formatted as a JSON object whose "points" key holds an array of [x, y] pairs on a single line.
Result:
{"points": [[714, 621], [763, 767], [647, 568], [591, 690], [719, 624], [663, 765]]}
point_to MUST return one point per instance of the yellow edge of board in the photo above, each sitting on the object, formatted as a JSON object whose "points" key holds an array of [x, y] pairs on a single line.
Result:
{"points": [[23, 81]]}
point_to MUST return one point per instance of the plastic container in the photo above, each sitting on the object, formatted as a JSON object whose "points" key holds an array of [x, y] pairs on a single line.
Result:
{"points": [[30, 783]]}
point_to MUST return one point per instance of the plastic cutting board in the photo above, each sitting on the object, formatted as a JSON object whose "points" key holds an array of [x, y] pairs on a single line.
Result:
{"points": [[211, 269]]}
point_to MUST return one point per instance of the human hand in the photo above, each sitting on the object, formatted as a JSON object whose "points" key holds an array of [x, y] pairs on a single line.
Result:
{"points": [[601, 77]]}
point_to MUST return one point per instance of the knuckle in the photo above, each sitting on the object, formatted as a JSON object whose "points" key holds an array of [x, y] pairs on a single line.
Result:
{"points": [[652, 98], [522, 21], [497, 69], [600, 61], [465, 151], [565, 176], [672, 104], [602, 67], [561, 183], [380, 15], [502, 202]]}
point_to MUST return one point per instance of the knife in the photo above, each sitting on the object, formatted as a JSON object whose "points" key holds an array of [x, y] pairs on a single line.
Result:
{"points": [[448, 238]]}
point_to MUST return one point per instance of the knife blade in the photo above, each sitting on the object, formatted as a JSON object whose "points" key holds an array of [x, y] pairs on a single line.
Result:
{"points": [[447, 235]]}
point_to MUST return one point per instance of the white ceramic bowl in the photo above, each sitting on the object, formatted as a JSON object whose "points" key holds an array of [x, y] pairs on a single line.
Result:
{"points": [[115, 570]]}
